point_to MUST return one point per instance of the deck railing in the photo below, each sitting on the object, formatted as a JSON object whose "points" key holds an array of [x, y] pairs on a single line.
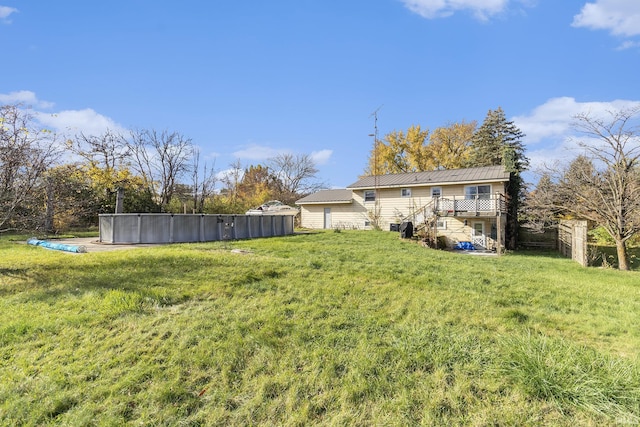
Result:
{"points": [[459, 206], [456, 206]]}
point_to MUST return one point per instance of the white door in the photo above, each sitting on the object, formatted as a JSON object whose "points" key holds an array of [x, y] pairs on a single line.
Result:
{"points": [[327, 217], [478, 239]]}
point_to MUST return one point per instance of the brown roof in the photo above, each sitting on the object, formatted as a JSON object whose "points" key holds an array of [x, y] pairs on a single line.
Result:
{"points": [[328, 196], [449, 176]]}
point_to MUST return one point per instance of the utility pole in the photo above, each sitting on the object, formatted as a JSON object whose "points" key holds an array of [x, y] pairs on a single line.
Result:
{"points": [[375, 166]]}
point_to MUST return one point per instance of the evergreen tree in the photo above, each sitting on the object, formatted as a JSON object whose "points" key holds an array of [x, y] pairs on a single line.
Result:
{"points": [[499, 142]]}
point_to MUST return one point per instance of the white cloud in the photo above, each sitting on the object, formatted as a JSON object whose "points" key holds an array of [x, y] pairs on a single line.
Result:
{"points": [[72, 122], [620, 17], [228, 174], [68, 122], [628, 44], [551, 119], [430, 9], [258, 152], [5, 12], [549, 130], [26, 98], [321, 157]]}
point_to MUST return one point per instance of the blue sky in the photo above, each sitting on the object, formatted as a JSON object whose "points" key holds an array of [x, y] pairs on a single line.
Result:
{"points": [[250, 79]]}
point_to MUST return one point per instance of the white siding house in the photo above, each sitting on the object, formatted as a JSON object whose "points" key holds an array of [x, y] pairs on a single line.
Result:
{"points": [[461, 205]]}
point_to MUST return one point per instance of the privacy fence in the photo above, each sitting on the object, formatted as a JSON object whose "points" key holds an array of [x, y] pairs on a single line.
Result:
{"points": [[569, 237], [178, 228], [573, 240]]}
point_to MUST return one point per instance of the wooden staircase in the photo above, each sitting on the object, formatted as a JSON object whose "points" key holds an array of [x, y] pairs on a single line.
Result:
{"points": [[424, 221]]}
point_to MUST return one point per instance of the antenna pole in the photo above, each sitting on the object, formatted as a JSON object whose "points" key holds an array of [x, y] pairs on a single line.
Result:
{"points": [[375, 164]]}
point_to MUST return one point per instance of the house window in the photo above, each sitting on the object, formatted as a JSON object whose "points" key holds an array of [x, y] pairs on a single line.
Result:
{"points": [[477, 191], [405, 192], [370, 196], [436, 191], [441, 224]]}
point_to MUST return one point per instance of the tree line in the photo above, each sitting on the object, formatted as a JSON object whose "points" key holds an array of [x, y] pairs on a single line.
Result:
{"points": [[601, 184], [52, 184]]}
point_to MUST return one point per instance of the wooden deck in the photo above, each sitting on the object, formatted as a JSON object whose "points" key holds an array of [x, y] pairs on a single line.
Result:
{"points": [[464, 207]]}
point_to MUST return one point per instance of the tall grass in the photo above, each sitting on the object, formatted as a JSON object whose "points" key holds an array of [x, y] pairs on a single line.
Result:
{"points": [[570, 375], [350, 328]]}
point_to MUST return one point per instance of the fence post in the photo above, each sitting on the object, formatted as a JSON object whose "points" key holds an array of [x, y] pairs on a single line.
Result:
{"points": [[499, 233]]}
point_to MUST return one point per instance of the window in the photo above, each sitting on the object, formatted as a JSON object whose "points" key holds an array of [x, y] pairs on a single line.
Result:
{"points": [[369, 196], [405, 192], [436, 191], [441, 224], [477, 191]]}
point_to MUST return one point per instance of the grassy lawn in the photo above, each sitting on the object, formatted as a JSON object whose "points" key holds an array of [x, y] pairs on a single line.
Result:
{"points": [[346, 329]]}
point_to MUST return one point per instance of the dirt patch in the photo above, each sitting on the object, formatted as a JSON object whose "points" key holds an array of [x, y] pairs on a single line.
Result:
{"points": [[93, 244]]}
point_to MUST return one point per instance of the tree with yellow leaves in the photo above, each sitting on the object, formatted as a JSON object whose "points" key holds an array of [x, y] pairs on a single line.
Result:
{"points": [[417, 151], [450, 146], [399, 152]]}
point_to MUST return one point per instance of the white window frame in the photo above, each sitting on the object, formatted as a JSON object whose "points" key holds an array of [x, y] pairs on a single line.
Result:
{"points": [[471, 195], [369, 199], [405, 192], [436, 189]]}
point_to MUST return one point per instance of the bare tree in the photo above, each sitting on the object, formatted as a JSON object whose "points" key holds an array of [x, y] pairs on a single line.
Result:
{"points": [[231, 181], [204, 184], [26, 151], [106, 157], [603, 185], [108, 151], [540, 208], [294, 176], [161, 159]]}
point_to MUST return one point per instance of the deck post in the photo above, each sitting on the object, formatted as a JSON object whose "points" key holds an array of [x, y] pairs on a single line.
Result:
{"points": [[499, 233]]}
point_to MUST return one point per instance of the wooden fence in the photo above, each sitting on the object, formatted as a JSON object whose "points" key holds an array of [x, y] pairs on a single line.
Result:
{"points": [[572, 240], [537, 237]]}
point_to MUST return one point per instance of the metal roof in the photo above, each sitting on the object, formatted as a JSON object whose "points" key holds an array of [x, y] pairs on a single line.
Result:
{"points": [[328, 196], [439, 177]]}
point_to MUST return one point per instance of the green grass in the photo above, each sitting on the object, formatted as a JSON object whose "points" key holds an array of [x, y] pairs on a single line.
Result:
{"points": [[606, 256], [351, 328]]}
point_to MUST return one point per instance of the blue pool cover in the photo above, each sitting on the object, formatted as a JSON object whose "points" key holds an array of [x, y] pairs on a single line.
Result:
{"points": [[56, 246], [465, 246]]}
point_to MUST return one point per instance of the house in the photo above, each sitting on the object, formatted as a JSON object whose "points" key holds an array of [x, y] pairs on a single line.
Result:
{"points": [[456, 205]]}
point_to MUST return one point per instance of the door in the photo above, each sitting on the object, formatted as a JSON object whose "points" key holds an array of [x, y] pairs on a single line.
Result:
{"points": [[478, 239], [327, 218]]}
